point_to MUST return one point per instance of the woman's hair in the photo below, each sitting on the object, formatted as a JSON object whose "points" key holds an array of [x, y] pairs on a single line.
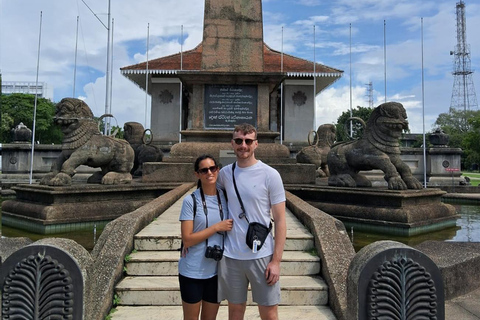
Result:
{"points": [[197, 165], [201, 158]]}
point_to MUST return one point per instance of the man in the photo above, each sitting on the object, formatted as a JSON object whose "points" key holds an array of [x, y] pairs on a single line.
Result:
{"points": [[260, 188]]}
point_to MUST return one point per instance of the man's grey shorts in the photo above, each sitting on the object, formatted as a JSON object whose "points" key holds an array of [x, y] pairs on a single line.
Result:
{"points": [[235, 275]]}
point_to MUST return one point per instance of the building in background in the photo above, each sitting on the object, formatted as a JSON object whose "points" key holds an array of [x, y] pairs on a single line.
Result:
{"points": [[41, 89]]}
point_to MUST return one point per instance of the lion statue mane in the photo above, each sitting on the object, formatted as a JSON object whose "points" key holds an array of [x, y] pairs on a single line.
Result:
{"points": [[83, 144], [378, 149]]}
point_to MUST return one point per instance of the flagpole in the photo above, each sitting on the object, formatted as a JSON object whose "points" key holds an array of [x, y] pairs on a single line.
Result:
{"points": [[108, 72], [181, 88], [146, 76], [423, 118], [314, 85], [385, 56], [111, 82], [281, 95], [75, 68], [36, 99], [351, 111]]}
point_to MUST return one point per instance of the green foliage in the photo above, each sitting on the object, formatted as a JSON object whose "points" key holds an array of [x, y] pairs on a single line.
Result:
{"points": [[110, 314], [463, 128], [471, 142], [19, 107], [116, 300], [343, 124]]}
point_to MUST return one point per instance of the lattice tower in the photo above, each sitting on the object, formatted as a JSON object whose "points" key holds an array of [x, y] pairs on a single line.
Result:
{"points": [[370, 94], [463, 93]]}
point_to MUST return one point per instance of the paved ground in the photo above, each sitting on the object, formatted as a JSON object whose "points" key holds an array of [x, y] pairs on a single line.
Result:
{"points": [[466, 307]]}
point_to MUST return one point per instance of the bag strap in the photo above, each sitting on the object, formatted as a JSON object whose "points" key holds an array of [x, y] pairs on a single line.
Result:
{"points": [[243, 214]]}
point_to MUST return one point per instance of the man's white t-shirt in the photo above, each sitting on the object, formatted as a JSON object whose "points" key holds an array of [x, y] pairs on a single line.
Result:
{"points": [[260, 186]]}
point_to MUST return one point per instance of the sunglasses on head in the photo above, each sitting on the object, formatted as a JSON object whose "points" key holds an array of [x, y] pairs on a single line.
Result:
{"points": [[247, 141], [212, 169]]}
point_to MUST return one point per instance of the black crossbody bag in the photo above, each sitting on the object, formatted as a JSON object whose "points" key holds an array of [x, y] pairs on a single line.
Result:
{"points": [[257, 232]]}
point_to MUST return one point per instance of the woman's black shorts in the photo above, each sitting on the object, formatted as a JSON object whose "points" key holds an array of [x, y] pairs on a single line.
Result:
{"points": [[195, 290]]}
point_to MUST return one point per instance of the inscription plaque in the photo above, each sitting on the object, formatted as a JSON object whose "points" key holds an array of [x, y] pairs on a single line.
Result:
{"points": [[225, 106]]}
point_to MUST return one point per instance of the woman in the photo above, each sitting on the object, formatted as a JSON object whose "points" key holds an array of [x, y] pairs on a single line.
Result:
{"points": [[203, 222]]}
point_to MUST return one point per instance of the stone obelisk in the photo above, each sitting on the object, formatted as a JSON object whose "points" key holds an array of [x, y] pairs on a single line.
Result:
{"points": [[233, 36]]}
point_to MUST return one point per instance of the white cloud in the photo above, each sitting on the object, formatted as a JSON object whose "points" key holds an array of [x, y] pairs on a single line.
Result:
{"points": [[19, 32]]}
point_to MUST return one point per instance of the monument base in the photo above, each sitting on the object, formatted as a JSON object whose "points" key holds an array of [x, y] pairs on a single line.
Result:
{"points": [[178, 166], [402, 212], [46, 210]]}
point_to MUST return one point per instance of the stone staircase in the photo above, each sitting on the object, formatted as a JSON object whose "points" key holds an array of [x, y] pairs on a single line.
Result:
{"points": [[150, 290]]}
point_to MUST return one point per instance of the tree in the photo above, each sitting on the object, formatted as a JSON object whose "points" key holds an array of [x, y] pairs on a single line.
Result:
{"points": [[19, 107], [343, 124], [463, 127], [471, 142]]}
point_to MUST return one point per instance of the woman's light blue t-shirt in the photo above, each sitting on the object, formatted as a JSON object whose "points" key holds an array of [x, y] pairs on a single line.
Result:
{"points": [[194, 264]]}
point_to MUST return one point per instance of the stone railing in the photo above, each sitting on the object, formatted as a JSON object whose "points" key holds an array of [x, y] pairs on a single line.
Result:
{"points": [[60, 273], [390, 280]]}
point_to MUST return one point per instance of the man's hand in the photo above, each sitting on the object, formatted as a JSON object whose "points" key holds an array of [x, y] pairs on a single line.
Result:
{"points": [[272, 273]]}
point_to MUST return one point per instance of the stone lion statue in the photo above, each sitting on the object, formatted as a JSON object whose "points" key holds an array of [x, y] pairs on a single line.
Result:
{"points": [[317, 153], [378, 149], [134, 133], [83, 144]]}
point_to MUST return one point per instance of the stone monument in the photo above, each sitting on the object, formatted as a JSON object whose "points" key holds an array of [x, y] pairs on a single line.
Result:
{"points": [[403, 208], [379, 148], [230, 78], [83, 144]]}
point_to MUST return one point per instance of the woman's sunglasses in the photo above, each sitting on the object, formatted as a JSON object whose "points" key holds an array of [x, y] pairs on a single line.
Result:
{"points": [[212, 169], [248, 142]]}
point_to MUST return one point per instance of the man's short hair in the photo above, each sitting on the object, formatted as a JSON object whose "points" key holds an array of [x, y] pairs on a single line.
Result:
{"points": [[245, 128]]}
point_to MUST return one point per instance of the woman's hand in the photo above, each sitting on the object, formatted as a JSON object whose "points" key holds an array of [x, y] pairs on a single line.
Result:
{"points": [[224, 225]]}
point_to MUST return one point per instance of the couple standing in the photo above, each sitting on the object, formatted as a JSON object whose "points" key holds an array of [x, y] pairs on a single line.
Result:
{"points": [[211, 227]]}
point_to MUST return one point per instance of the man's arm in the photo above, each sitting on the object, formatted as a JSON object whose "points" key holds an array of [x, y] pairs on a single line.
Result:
{"points": [[272, 273]]}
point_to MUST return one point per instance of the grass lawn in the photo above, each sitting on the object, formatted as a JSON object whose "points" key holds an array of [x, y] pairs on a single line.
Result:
{"points": [[474, 177]]}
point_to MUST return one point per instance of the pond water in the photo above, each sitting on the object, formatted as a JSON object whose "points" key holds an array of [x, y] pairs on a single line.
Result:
{"points": [[86, 238], [467, 229]]}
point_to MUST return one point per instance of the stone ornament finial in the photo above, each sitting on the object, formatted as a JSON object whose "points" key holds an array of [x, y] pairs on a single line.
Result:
{"points": [[390, 280], [21, 134], [40, 282]]}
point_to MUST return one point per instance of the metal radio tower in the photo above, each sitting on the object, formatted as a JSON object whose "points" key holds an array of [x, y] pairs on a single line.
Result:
{"points": [[370, 94], [463, 94]]}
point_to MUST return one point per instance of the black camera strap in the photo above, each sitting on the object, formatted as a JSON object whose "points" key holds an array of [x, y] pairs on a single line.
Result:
{"points": [[205, 211]]}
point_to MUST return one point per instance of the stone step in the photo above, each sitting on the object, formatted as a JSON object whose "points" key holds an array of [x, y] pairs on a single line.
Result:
{"points": [[164, 234], [295, 290], [251, 313], [165, 263]]}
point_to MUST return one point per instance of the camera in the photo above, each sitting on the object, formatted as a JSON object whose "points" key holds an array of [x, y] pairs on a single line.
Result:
{"points": [[215, 252]]}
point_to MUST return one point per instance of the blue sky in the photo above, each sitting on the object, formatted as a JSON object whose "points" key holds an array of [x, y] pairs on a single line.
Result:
{"points": [[19, 33]]}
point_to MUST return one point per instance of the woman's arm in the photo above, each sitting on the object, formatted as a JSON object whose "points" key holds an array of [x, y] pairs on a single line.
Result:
{"points": [[191, 238]]}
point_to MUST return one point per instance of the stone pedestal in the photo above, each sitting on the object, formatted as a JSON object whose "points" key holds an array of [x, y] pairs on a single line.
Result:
{"points": [[46, 209], [404, 213], [444, 166]]}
